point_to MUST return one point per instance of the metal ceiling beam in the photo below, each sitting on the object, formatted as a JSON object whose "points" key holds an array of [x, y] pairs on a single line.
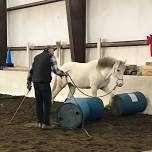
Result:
{"points": [[76, 16], [44, 2], [3, 31]]}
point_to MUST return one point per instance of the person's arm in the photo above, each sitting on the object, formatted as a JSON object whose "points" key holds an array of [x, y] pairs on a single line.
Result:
{"points": [[29, 79], [29, 76], [55, 68]]}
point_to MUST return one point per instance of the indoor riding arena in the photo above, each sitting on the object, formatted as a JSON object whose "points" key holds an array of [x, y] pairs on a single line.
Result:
{"points": [[75, 76]]}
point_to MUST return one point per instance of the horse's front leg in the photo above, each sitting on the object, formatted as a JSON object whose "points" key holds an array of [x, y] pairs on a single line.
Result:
{"points": [[94, 90], [107, 90], [71, 90]]}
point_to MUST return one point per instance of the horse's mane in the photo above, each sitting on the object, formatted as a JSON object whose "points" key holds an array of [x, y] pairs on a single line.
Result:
{"points": [[106, 62]]}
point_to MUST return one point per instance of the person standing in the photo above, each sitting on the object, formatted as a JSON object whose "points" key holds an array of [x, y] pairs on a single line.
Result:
{"points": [[40, 74]]}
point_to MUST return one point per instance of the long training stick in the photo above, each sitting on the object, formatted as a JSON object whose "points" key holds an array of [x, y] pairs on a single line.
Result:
{"points": [[18, 107]]}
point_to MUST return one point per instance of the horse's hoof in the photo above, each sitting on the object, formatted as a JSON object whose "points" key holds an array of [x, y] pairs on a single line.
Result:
{"points": [[108, 107]]}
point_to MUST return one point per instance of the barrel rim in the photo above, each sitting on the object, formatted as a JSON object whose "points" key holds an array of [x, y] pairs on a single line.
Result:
{"points": [[115, 112], [76, 107]]}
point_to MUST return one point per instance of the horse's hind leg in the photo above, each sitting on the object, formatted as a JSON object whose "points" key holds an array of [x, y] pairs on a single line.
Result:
{"points": [[59, 86], [71, 90], [55, 92]]}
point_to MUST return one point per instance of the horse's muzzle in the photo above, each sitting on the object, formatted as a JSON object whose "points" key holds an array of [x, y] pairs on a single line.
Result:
{"points": [[119, 83]]}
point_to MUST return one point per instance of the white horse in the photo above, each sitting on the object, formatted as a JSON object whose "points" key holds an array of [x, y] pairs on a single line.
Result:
{"points": [[95, 75]]}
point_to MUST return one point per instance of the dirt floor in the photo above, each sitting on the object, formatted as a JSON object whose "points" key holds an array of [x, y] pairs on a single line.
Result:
{"points": [[111, 134]]}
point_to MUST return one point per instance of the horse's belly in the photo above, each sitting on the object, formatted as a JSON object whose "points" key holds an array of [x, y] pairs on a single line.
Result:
{"points": [[82, 82]]}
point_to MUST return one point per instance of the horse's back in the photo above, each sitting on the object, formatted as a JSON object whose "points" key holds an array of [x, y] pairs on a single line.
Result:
{"points": [[79, 67]]}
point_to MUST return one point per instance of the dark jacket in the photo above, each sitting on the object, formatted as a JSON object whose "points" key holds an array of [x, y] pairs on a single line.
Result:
{"points": [[42, 67]]}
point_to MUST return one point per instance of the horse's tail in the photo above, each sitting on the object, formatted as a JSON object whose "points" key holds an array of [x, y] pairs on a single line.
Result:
{"points": [[54, 83]]}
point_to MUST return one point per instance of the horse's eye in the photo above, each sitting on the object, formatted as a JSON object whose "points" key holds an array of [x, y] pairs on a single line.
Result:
{"points": [[118, 70]]}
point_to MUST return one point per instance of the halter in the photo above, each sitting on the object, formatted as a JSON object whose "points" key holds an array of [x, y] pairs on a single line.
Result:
{"points": [[118, 80], [118, 77], [109, 75]]}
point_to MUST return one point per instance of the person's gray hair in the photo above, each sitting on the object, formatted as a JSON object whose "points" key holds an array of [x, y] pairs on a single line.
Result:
{"points": [[50, 47]]}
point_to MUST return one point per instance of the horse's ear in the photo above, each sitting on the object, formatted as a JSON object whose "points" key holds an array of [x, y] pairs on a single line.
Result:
{"points": [[123, 62], [117, 63]]}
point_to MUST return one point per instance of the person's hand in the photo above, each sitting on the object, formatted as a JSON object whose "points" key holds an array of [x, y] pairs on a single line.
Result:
{"points": [[29, 86], [66, 73]]}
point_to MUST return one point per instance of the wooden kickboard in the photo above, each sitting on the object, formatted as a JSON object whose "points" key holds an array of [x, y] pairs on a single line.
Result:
{"points": [[16, 69]]}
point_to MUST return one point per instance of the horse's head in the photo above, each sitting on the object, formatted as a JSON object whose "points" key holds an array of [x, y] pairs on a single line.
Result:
{"points": [[118, 71]]}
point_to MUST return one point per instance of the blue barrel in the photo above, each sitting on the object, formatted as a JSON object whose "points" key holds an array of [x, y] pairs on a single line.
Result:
{"points": [[128, 103], [76, 110]]}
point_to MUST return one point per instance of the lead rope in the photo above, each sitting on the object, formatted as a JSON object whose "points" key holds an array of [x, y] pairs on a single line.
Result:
{"points": [[83, 126], [87, 94]]}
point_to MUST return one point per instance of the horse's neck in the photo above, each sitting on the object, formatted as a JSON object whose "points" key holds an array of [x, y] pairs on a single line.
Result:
{"points": [[106, 73]]}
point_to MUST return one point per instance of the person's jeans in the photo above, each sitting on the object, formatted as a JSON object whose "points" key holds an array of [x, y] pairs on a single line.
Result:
{"points": [[43, 102]]}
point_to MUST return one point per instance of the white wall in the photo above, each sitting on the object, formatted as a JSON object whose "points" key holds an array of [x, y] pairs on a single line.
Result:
{"points": [[112, 20], [41, 25], [116, 20], [38, 25]]}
